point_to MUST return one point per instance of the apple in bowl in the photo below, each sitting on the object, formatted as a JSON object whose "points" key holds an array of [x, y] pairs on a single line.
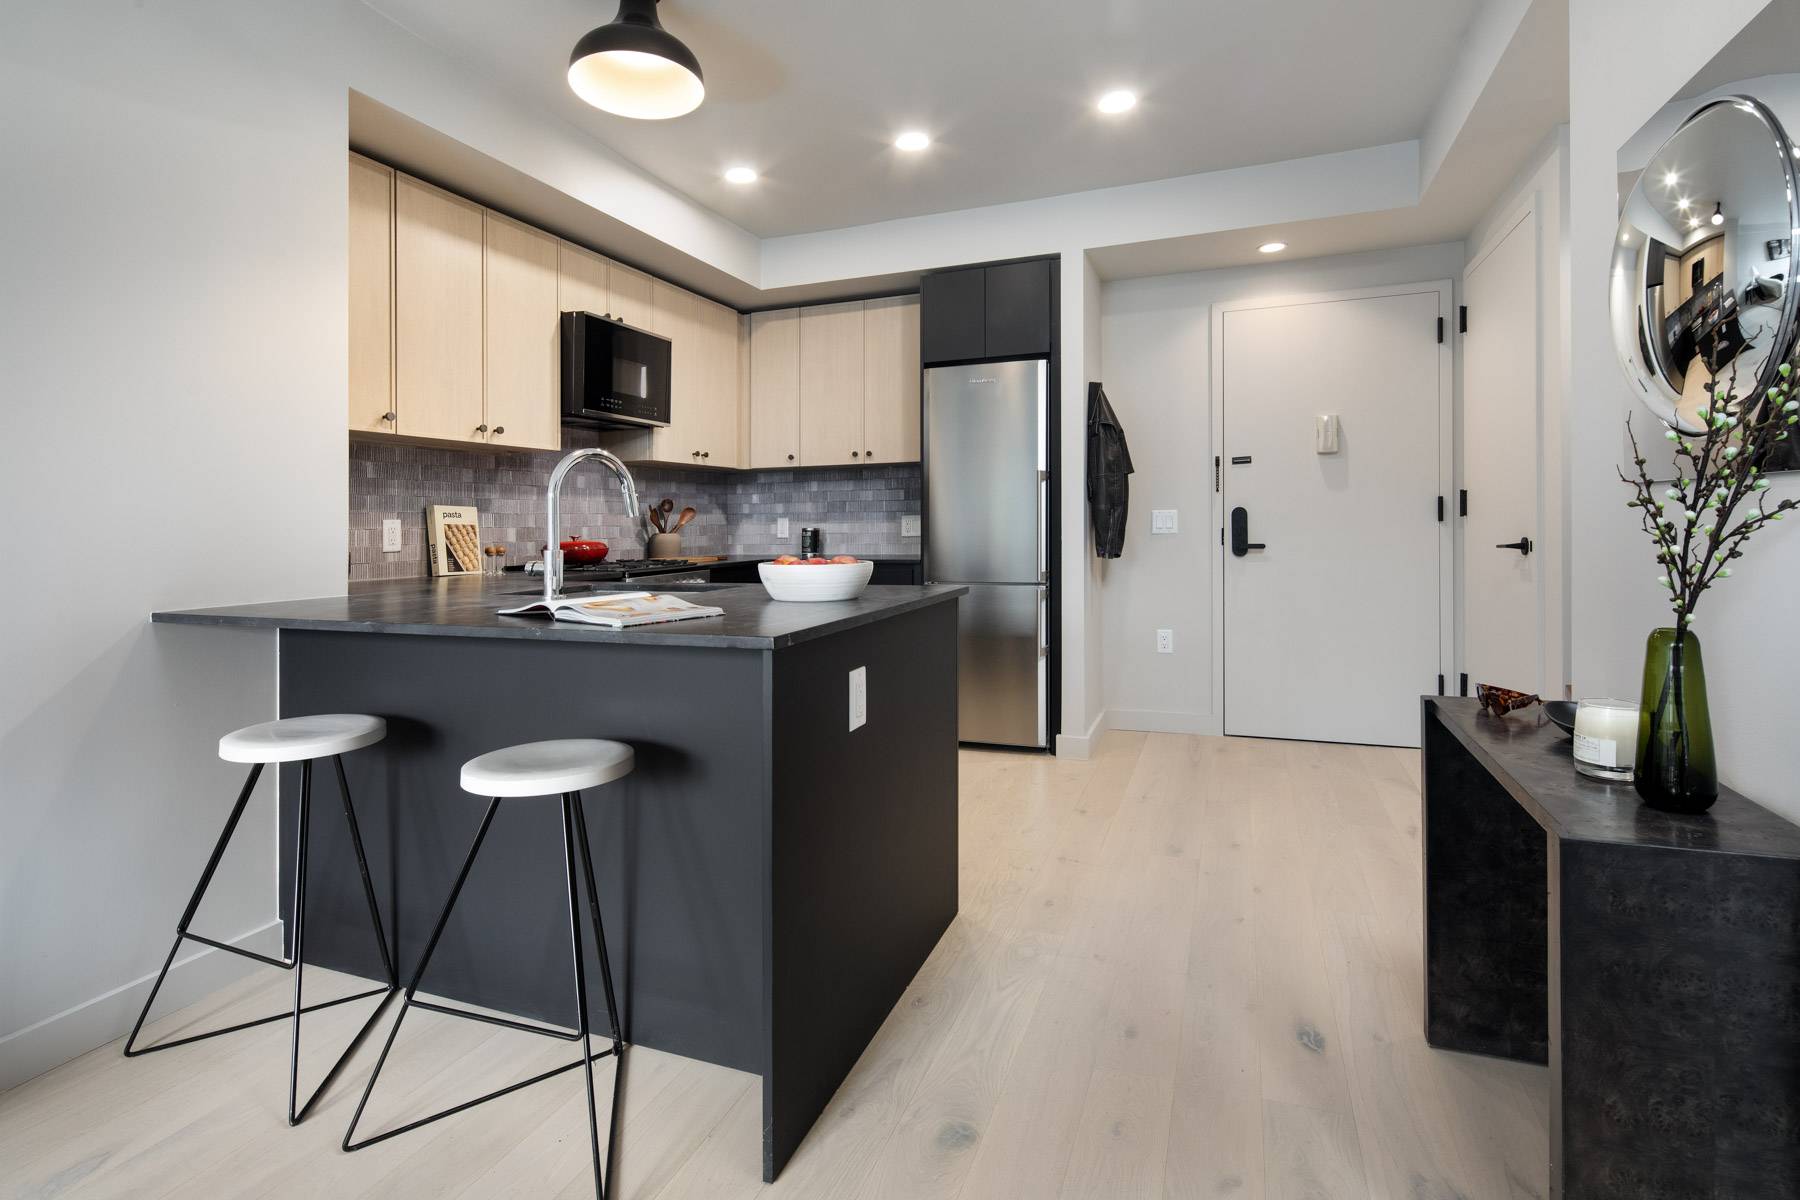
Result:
{"points": [[790, 577]]}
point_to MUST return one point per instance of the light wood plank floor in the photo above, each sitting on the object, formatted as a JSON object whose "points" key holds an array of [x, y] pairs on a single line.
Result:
{"points": [[1186, 968]]}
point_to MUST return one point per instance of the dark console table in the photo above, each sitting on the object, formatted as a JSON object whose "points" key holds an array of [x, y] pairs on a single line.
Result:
{"points": [[1651, 960]]}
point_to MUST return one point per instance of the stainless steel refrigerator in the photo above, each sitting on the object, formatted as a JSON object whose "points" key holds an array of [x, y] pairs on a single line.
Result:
{"points": [[986, 504]]}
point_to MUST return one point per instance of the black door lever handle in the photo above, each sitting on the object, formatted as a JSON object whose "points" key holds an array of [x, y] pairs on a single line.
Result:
{"points": [[1523, 545], [1240, 533]]}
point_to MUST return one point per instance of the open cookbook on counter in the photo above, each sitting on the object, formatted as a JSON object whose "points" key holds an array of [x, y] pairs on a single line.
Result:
{"points": [[616, 610]]}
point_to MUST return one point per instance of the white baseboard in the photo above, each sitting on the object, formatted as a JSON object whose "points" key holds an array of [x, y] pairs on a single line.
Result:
{"points": [[1081, 746], [55, 1040], [1146, 720]]}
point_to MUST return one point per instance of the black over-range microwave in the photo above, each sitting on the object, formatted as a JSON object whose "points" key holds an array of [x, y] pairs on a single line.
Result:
{"points": [[613, 376]]}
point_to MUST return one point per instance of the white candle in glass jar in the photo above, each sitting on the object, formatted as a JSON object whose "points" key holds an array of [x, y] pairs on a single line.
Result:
{"points": [[1606, 739]]}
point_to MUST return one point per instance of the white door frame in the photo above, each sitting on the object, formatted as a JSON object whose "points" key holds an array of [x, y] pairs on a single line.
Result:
{"points": [[1446, 462]]}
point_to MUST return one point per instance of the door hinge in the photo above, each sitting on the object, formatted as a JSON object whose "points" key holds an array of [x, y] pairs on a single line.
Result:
{"points": [[1215, 473], [1440, 508], [1221, 535], [1440, 685], [1440, 331], [1462, 502], [1043, 477], [1462, 319], [1462, 682]]}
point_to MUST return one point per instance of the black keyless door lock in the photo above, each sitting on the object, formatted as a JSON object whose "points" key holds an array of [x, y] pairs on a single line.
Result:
{"points": [[1240, 533]]}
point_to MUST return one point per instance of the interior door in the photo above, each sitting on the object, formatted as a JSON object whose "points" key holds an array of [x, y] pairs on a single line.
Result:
{"points": [[1503, 619], [1332, 622]]}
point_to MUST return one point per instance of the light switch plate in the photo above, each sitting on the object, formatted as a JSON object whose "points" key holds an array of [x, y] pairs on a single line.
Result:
{"points": [[1163, 520], [781, 529], [390, 536], [859, 697], [909, 526]]}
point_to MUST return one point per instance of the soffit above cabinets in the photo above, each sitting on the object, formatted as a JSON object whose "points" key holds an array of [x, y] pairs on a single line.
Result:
{"points": [[812, 94]]}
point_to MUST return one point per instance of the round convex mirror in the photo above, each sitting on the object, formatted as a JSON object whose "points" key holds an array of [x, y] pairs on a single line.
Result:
{"points": [[1702, 288]]}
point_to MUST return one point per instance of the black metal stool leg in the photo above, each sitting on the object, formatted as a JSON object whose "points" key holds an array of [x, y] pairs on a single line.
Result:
{"points": [[296, 963], [193, 906], [362, 865], [606, 981], [579, 953], [412, 987]]}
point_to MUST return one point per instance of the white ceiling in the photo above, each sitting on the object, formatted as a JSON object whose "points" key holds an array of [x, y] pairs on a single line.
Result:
{"points": [[1763, 47], [810, 92]]}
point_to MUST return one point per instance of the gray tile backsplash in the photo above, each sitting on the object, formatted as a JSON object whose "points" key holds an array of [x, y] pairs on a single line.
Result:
{"points": [[859, 508]]}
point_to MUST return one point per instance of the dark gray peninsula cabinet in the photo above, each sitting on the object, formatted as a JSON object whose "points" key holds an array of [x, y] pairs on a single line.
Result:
{"points": [[1651, 959], [772, 878]]}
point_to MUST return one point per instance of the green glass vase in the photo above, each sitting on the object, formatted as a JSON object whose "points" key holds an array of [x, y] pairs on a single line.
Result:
{"points": [[1675, 768]]}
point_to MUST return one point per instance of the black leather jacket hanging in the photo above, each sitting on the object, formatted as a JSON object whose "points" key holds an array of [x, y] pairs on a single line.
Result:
{"points": [[1108, 474]]}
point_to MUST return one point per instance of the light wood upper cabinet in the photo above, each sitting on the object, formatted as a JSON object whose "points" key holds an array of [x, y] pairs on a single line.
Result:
{"points": [[675, 315], [629, 296], [521, 363], [831, 384], [720, 439], [891, 380], [371, 297], [437, 312], [580, 280], [775, 388]]}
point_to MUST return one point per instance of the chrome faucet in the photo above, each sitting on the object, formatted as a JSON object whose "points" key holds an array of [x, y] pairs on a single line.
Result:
{"points": [[553, 555]]}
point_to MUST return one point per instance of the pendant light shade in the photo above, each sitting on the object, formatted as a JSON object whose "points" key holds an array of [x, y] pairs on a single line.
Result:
{"points": [[633, 67]]}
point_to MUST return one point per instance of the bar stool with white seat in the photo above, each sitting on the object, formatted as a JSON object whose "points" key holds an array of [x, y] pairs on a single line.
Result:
{"points": [[554, 768], [302, 740]]}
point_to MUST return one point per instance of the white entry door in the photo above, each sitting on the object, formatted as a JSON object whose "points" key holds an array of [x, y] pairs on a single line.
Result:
{"points": [[1503, 620], [1334, 620]]}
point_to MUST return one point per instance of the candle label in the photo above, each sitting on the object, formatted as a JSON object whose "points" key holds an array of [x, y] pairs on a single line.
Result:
{"points": [[1597, 752]]}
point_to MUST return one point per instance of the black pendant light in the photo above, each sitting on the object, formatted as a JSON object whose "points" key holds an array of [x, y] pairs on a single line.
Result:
{"points": [[633, 67]]}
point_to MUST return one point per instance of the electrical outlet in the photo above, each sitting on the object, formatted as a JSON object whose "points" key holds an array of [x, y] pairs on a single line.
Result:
{"points": [[781, 529], [859, 697], [1165, 641], [909, 526], [390, 536], [1163, 520]]}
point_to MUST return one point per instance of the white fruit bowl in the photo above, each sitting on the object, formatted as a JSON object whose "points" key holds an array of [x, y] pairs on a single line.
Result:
{"points": [[815, 581]]}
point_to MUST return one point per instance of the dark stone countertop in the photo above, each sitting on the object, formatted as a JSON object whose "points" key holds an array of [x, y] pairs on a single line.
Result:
{"points": [[467, 606], [1533, 760]]}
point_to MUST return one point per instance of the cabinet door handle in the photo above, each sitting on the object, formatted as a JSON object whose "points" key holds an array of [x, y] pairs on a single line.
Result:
{"points": [[499, 429], [390, 416], [706, 454], [1523, 546], [868, 454], [790, 458], [853, 454]]}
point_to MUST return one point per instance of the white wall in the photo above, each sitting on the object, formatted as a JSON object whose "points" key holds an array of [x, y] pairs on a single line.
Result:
{"points": [[1156, 343], [1627, 57]]}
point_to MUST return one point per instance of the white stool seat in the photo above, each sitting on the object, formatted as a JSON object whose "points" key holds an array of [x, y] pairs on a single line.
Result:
{"points": [[292, 739], [547, 768]]}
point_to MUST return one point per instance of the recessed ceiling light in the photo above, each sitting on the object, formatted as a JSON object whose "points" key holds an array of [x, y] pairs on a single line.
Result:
{"points": [[1683, 203], [1117, 101], [633, 67], [912, 139], [1271, 247], [1693, 222], [1671, 179], [740, 175]]}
